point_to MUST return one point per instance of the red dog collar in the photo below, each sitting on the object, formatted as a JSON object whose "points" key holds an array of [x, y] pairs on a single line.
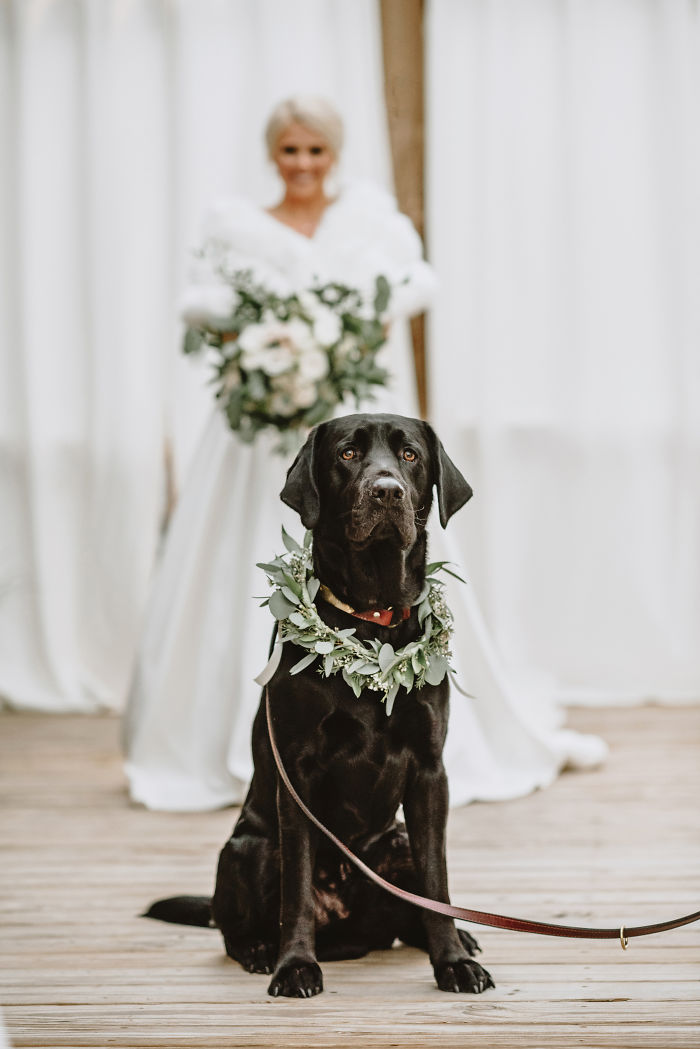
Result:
{"points": [[381, 616]]}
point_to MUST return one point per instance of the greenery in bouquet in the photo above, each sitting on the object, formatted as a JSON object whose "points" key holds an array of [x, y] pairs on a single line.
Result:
{"points": [[285, 361]]}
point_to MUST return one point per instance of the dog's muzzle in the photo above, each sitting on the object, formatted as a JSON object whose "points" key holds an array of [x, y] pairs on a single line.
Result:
{"points": [[382, 509]]}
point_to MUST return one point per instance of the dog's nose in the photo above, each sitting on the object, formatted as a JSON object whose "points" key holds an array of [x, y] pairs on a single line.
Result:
{"points": [[388, 490]]}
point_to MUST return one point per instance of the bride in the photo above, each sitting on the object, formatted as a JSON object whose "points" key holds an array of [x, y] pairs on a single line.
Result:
{"points": [[193, 697]]}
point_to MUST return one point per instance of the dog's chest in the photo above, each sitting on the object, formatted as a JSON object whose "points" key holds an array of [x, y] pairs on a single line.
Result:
{"points": [[366, 757]]}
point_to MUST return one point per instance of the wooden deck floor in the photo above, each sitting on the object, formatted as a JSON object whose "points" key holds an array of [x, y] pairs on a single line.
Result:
{"points": [[79, 968]]}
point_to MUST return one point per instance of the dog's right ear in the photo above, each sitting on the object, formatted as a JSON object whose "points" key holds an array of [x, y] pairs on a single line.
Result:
{"points": [[301, 488], [452, 489]]}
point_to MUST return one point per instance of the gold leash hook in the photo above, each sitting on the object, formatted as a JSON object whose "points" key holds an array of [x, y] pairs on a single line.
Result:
{"points": [[624, 941]]}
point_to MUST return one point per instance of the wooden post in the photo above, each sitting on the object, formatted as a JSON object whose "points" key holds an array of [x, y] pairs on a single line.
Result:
{"points": [[402, 44]]}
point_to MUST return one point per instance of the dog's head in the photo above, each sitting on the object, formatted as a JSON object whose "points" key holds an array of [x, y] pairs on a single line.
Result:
{"points": [[374, 476]]}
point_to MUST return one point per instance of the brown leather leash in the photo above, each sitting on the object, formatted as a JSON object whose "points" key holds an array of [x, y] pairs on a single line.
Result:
{"points": [[498, 921]]}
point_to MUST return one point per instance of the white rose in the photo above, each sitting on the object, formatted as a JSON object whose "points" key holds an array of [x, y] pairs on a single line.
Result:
{"points": [[299, 335], [275, 345], [327, 326], [269, 345], [276, 359], [253, 338], [312, 365], [252, 359], [308, 302], [305, 394], [291, 388], [268, 329], [331, 295]]}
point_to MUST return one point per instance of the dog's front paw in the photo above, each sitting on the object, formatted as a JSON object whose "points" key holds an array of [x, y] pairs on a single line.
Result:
{"points": [[256, 956], [259, 957], [466, 975], [468, 942], [296, 979]]}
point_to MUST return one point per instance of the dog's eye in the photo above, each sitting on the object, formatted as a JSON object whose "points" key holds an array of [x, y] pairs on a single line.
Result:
{"points": [[348, 453], [409, 455]]}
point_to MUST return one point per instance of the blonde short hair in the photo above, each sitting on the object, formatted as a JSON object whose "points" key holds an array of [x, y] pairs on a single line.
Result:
{"points": [[313, 112]]}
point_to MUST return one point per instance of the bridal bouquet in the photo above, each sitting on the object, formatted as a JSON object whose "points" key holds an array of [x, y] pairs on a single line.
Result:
{"points": [[285, 361]]}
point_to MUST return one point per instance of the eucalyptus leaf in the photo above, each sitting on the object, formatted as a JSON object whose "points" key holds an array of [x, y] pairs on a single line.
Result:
{"points": [[354, 684], [324, 647], [406, 677], [292, 584], [271, 567], [280, 606], [328, 665], [390, 697], [450, 572], [382, 294], [386, 657], [312, 588], [436, 670], [304, 663], [193, 340], [234, 410], [442, 566], [291, 544], [434, 566]]}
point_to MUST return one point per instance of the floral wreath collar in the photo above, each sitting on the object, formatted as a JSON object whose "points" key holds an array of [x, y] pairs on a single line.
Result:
{"points": [[363, 664]]}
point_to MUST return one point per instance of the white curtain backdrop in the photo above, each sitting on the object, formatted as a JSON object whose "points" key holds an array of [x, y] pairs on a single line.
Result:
{"points": [[564, 221], [119, 121]]}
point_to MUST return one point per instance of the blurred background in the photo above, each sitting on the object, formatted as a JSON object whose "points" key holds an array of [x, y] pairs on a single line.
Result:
{"points": [[549, 152]]}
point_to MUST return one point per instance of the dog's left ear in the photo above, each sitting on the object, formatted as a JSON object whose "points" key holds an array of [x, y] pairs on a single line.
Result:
{"points": [[301, 488], [452, 489]]}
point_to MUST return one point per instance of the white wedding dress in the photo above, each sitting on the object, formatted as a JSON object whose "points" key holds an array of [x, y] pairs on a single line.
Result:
{"points": [[188, 721]]}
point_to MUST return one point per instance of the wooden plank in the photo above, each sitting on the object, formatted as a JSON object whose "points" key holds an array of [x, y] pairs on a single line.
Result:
{"points": [[80, 968], [472, 1036]]}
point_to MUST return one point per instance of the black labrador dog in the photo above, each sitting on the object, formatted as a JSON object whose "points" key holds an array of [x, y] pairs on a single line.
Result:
{"points": [[285, 898]]}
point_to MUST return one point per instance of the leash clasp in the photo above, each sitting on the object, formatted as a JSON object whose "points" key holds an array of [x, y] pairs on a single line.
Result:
{"points": [[624, 940]]}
